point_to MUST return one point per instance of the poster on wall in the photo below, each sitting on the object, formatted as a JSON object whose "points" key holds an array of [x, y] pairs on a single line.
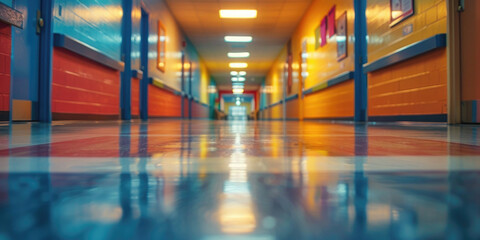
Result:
{"points": [[400, 10], [342, 37], [161, 47], [331, 22], [323, 32]]}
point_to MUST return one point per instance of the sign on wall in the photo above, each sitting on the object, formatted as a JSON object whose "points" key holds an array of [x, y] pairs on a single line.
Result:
{"points": [[400, 10], [342, 37], [161, 47]]}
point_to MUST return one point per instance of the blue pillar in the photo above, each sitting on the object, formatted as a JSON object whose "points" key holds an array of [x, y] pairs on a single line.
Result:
{"points": [[144, 65], [45, 69], [182, 88], [126, 76], [360, 77]]}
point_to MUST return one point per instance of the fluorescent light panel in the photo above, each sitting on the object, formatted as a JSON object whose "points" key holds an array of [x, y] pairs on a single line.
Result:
{"points": [[238, 54], [244, 39], [238, 65], [238, 13]]}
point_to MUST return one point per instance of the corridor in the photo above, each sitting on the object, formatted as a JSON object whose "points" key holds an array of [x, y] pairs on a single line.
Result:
{"points": [[239, 119], [201, 179]]}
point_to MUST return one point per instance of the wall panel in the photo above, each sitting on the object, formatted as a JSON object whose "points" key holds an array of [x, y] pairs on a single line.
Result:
{"points": [[5, 76], [414, 87], [83, 87], [333, 102], [162, 103]]}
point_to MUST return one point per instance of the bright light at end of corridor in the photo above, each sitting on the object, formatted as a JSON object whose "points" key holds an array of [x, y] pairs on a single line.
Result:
{"points": [[244, 39], [238, 54], [238, 13], [238, 91], [238, 65]]}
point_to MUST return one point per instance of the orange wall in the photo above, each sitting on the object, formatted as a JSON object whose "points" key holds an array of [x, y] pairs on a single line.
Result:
{"points": [[162, 103], [135, 97], [336, 101], [414, 87], [470, 23]]}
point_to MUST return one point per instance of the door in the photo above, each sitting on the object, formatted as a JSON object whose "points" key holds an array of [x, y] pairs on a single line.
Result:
{"points": [[25, 63], [470, 62], [144, 30]]}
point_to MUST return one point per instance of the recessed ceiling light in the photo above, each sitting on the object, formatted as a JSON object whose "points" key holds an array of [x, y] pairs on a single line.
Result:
{"points": [[238, 38], [238, 54], [234, 79], [241, 79], [242, 73], [234, 73], [238, 65], [238, 13]]}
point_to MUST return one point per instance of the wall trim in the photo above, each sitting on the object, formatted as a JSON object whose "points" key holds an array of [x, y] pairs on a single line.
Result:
{"points": [[292, 97], [329, 83], [80, 116], [11, 16], [331, 119], [160, 84], [408, 52], [137, 73], [4, 115], [84, 50], [409, 118]]}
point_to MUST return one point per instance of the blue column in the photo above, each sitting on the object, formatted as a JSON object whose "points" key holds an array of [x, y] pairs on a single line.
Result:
{"points": [[126, 76], [144, 65], [45, 69], [182, 88], [360, 77]]}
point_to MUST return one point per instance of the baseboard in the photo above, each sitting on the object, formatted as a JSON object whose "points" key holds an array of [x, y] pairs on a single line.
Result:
{"points": [[4, 115], [410, 118], [81, 116]]}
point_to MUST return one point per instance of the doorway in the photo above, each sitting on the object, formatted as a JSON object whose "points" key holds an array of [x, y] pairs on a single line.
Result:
{"points": [[469, 61], [144, 30], [25, 63]]}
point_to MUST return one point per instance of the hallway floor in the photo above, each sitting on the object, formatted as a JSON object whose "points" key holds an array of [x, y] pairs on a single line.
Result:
{"points": [[200, 179]]}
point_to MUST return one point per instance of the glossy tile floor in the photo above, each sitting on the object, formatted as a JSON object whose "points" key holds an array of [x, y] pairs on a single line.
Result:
{"points": [[213, 180]]}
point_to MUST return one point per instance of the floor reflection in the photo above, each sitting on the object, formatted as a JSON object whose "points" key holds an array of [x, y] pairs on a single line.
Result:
{"points": [[208, 182], [266, 206]]}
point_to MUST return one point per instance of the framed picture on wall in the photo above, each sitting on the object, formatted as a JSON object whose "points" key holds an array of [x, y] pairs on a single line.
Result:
{"points": [[400, 10], [342, 39], [161, 47]]}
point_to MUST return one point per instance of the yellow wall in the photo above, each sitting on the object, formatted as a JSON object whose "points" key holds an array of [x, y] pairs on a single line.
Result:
{"points": [[417, 86], [276, 77], [174, 47], [322, 63], [429, 19], [414, 87], [204, 83]]}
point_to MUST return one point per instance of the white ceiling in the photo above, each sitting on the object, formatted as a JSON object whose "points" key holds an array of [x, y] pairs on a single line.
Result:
{"points": [[271, 30]]}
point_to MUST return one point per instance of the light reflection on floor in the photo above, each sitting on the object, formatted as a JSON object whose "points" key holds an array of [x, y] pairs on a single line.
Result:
{"points": [[239, 180]]}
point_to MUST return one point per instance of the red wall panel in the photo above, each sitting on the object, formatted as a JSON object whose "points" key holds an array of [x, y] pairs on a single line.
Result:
{"points": [[199, 110], [135, 97], [5, 56], [83, 87], [162, 103]]}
